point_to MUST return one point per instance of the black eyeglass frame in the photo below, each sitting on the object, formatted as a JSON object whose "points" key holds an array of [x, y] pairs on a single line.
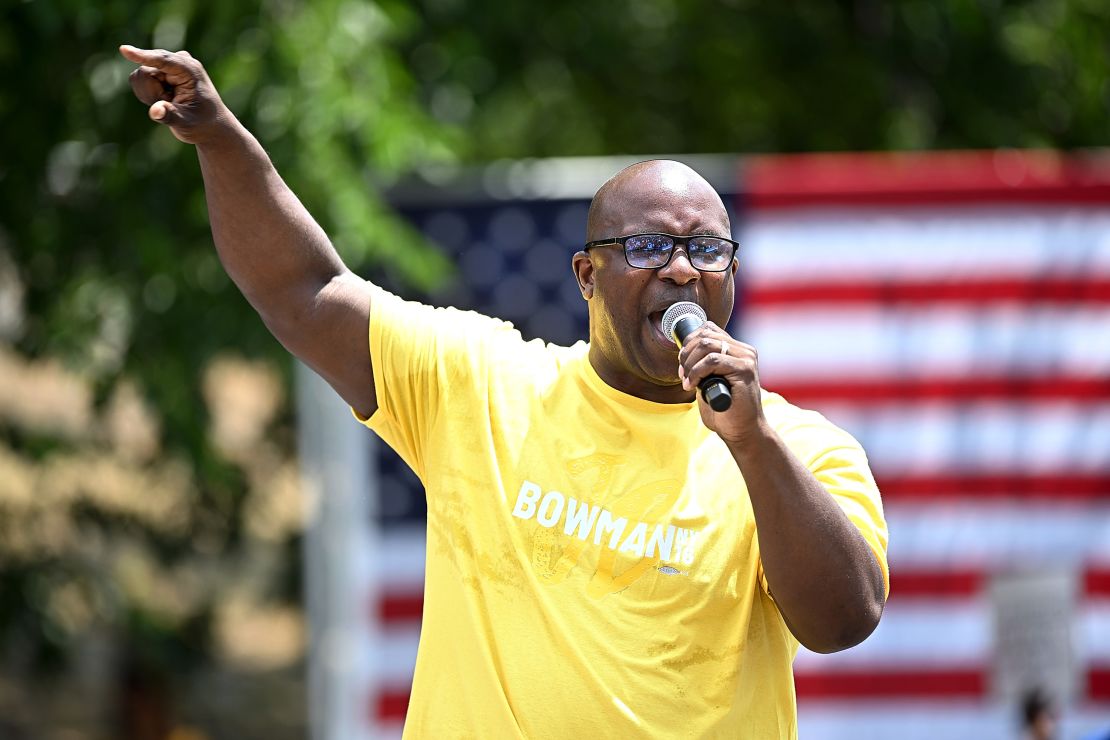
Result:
{"points": [[675, 239]]}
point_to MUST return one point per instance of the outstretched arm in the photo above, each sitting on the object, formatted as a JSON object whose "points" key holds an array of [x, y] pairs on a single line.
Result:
{"points": [[278, 256], [824, 577]]}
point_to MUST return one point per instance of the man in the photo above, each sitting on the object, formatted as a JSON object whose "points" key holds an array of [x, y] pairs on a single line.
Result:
{"points": [[607, 556], [1038, 715]]}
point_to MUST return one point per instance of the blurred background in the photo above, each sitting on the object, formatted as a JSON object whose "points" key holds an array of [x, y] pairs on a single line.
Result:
{"points": [[163, 534]]}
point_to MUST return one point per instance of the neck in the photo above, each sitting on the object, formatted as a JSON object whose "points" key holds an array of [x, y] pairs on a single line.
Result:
{"points": [[625, 381]]}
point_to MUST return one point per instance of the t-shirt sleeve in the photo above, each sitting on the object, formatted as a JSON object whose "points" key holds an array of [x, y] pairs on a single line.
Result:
{"points": [[424, 359], [845, 474], [840, 464]]}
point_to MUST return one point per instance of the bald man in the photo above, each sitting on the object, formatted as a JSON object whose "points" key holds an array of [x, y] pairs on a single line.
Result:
{"points": [[607, 555]]}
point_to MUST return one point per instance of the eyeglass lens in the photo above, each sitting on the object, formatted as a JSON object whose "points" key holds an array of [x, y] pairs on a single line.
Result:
{"points": [[654, 250]]}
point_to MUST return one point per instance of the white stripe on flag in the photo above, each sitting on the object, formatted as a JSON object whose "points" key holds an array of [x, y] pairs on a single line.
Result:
{"points": [[915, 244], [1023, 436], [917, 635], [398, 647], [997, 536], [858, 343]]}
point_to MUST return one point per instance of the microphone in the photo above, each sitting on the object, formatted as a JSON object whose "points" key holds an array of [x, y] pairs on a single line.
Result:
{"points": [[679, 322]]}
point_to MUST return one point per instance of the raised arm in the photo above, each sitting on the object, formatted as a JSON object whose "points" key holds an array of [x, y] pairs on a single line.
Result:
{"points": [[278, 256]]}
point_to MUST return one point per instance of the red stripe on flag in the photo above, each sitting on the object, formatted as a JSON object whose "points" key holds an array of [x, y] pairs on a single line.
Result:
{"points": [[891, 684], [1001, 486], [964, 583], [390, 705], [401, 607], [1069, 290], [1010, 388], [909, 583], [955, 178], [1098, 683], [1096, 583]]}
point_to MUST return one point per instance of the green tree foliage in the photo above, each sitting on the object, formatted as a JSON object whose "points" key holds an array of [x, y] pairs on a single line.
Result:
{"points": [[103, 223], [649, 76]]}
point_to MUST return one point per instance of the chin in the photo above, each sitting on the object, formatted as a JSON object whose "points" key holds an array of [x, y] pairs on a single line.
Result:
{"points": [[663, 374]]}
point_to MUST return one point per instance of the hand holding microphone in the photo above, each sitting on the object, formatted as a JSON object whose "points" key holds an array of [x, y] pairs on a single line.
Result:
{"points": [[724, 370], [680, 321]]}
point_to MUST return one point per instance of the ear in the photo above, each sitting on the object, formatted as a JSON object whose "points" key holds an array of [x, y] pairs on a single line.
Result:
{"points": [[583, 268]]}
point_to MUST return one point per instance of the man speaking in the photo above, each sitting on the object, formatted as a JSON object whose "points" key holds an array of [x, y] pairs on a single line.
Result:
{"points": [[608, 556]]}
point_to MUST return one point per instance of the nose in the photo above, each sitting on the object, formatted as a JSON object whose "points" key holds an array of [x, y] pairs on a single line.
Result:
{"points": [[679, 270]]}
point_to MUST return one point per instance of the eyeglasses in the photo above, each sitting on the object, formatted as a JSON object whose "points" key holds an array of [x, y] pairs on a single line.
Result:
{"points": [[652, 251]]}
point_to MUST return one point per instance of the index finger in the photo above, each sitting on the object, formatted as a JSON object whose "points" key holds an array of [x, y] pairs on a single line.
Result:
{"points": [[147, 57], [176, 69], [707, 336]]}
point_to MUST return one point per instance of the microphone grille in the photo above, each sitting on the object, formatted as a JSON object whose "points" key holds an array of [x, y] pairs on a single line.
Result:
{"points": [[678, 311]]}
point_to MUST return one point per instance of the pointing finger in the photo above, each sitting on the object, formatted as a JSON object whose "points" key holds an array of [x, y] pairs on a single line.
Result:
{"points": [[177, 67], [159, 58], [175, 70], [140, 56]]}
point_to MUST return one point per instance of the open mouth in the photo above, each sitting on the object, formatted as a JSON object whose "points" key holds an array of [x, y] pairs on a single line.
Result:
{"points": [[655, 318]]}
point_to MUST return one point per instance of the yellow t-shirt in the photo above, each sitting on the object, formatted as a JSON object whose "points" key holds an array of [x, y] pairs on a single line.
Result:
{"points": [[592, 564]]}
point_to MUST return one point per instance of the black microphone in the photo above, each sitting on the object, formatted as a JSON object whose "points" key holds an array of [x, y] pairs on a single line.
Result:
{"points": [[679, 322]]}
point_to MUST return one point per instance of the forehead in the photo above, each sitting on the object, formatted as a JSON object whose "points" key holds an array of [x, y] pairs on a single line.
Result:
{"points": [[669, 200]]}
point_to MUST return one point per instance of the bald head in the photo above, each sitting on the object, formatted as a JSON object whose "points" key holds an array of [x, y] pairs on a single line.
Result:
{"points": [[645, 191]]}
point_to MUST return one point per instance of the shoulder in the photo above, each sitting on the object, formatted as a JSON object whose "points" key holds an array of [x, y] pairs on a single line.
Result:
{"points": [[449, 332], [809, 432], [390, 309]]}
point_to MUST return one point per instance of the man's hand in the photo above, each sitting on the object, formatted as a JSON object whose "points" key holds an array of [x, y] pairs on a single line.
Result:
{"points": [[179, 94], [711, 351]]}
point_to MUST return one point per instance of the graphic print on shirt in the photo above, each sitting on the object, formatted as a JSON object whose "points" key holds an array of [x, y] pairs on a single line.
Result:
{"points": [[629, 526]]}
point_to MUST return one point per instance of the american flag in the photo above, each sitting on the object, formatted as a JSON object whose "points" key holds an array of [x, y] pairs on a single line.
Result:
{"points": [[952, 311]]}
